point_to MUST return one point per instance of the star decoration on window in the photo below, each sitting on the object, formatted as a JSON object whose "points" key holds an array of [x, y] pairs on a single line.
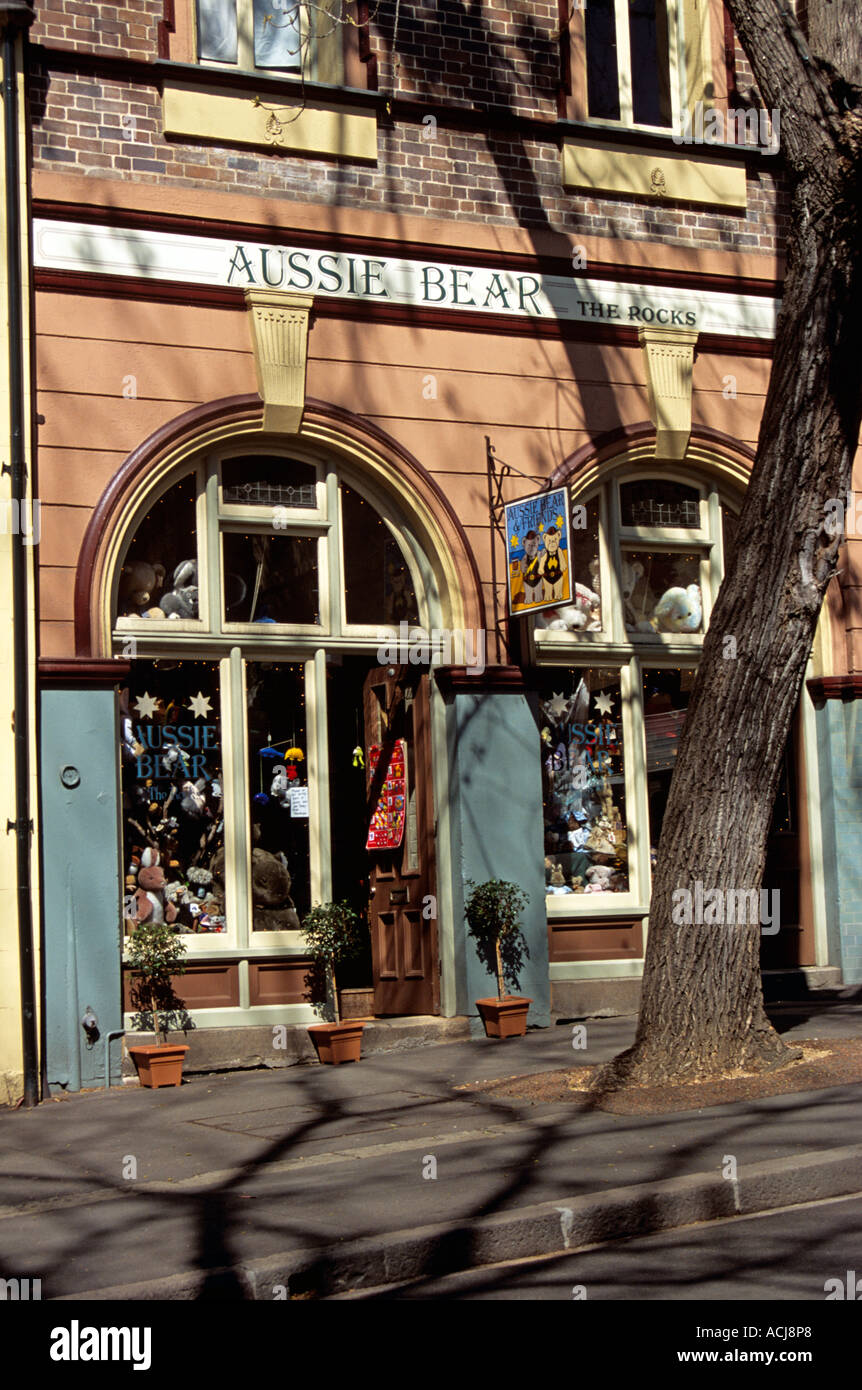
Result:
{"points": [[557, 706], [146, 705], [603, 703], [200, 705]]}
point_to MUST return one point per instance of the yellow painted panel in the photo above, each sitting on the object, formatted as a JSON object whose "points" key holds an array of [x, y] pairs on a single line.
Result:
{"points": [[667, 177], [232, 118]]}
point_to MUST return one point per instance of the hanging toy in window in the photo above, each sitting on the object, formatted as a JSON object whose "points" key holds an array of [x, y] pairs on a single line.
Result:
{"points": [[291, 758], [358, 756]]}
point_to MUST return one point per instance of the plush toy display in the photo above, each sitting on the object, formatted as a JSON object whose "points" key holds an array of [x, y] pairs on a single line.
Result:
{"points": [[273, 907], [182, 601], [139, 583], [280, 790], [583, 614], [636, 620], [152, 902], [599, 879], [679, 610]]}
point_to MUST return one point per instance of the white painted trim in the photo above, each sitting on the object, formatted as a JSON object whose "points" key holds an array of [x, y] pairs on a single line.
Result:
{"points": [[596, 970], [446, 932], [815, 825], [236, 1017]]}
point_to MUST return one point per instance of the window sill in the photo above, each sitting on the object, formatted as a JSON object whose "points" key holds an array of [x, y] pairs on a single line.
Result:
{"points": [[660, 141], [258, 112], [271, 85]]}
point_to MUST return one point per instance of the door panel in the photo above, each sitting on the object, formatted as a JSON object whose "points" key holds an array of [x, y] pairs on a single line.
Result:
{"points": [[403, 938]]}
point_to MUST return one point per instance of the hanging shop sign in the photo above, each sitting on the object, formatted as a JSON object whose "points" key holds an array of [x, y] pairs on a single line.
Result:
{"points": [[386, 830], [166, 257], [537, 551]]}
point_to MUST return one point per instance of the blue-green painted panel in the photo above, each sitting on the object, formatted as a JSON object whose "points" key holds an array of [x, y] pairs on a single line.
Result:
{"points": [[80, 882]]}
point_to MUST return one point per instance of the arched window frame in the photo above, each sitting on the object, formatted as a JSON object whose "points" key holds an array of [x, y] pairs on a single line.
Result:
{"points": [[234, 645], [720, 485]]}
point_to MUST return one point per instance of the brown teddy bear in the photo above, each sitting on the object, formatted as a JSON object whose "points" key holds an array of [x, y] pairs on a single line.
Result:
{"points": [[139, 581], [272, 906]]}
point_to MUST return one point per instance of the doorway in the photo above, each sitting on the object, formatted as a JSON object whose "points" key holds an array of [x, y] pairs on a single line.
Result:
{"points": [[382, 828]]}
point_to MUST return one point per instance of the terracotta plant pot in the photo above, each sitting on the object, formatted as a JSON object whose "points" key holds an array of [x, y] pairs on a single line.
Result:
{"points": [[160, 1065], [337, 1042], [504, 1018]]}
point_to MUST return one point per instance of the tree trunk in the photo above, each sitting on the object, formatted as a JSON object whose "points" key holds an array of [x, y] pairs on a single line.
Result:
{"points": [[155, 1014], [501, 984], [702, 1007]]}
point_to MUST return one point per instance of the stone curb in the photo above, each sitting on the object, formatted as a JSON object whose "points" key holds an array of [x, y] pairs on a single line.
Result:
{"points": [[543, 1229]]}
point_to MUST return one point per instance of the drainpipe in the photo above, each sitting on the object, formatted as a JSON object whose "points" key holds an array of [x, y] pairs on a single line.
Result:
{"points": [[15, 18]]}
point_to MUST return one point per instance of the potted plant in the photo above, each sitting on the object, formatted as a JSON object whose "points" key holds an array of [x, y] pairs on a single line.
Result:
{"points": [[333, 935], [493, 913], [155, 952]]}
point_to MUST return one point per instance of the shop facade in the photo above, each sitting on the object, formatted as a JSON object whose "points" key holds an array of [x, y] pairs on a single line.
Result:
{"points": [[280, 412]]}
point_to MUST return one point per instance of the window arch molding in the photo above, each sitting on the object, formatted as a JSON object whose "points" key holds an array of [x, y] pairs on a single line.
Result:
{"points": [[385, 472]]}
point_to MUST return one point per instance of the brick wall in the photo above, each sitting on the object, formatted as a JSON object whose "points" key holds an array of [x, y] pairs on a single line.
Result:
{"points": [[505, 62]]}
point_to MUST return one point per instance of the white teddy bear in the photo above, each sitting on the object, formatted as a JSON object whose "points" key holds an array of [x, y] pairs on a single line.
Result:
{"points": [[679, 610], [584, 613], [280, 789]]}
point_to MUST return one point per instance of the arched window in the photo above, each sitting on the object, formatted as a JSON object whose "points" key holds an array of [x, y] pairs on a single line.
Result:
{"points": [[253, 595], [615, 673]]}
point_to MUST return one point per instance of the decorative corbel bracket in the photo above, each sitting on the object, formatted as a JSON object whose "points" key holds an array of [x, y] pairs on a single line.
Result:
{"points": [[669, 359], [279, 335]]}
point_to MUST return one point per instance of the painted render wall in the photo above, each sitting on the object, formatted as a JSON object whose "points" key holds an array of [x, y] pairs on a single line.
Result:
{"points": [[438, 392], [496, 818], [839, 738]]}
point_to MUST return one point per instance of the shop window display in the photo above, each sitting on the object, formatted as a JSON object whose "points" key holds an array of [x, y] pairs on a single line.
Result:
{"points": [[278, 786], [583, 785], [661, 591], [666, 694], [270, 579], [377, 584], [173, 806], [159, 576], [584, 613]]}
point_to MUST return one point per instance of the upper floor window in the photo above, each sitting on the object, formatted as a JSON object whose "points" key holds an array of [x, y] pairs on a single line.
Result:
{"points": [[628, 61], [252, 34], [323, 42], [642, 63]]}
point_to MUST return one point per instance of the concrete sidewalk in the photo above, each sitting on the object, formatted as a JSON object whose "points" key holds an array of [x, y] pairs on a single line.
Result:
{"points": [[315, 1179]]}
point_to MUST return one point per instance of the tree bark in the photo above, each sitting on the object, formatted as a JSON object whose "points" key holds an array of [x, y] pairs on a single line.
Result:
{"points": [[702, 1007]]}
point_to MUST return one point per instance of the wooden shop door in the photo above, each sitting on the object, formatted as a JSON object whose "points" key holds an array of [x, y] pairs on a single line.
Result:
{"points": [[403, 923]]}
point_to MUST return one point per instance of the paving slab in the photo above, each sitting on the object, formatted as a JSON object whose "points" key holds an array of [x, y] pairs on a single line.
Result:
{"points": [[233, 1169]]}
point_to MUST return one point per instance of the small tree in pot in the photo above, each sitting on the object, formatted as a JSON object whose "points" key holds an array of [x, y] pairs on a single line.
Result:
{"points": [[155, 953], [334, 934], [493, 912]]}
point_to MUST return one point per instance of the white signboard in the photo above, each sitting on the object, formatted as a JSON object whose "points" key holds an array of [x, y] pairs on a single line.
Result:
{"points": [[299, 802], [571, 298]]}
